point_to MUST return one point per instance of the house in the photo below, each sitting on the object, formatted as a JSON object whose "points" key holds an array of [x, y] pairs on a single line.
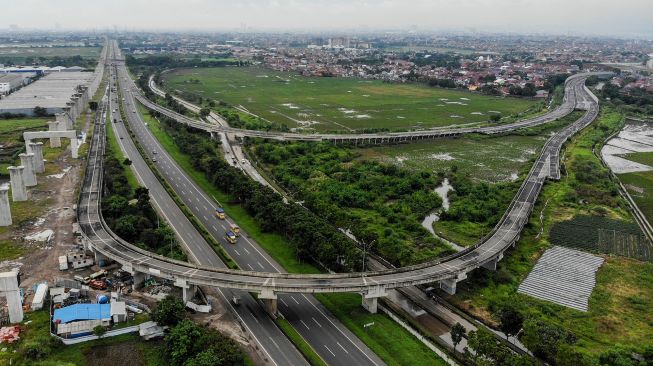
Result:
{"points": [[541, 94], [79, 319]]}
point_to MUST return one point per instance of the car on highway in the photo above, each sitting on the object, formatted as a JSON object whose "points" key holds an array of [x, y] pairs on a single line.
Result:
{"points": [[231, 237], [235, 229], [154, 160], [219, 213]]}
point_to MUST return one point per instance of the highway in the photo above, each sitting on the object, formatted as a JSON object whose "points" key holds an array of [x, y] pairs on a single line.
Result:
{"points": [[446, 270], [252, 316], [452, 267], [328, 337]]}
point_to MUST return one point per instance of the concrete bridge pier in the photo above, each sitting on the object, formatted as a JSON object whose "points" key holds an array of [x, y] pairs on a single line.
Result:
{"points": [[37, 149], [371, 299], [27, 160], [492, 264], [139, 278], [18, 189], [74, 147], [54, 141], [449, 285], [269, 301], [9, 288], [188, 290], [5, 209]]}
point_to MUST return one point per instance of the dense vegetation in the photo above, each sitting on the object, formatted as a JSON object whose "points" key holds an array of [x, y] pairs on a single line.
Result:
{"points": [[189, 344], [382, 204], [130, 215], [312, 237]]}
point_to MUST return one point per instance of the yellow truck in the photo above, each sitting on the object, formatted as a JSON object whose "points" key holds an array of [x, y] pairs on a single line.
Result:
{"points": [[235, 229], [231, 237], [219, 213]]}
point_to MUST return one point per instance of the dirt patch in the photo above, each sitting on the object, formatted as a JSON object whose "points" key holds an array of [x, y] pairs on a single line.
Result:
{"points": [[121, 354]]}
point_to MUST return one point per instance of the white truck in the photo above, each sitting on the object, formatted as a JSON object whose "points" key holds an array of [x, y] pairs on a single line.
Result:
{"points": [[63, 263]]}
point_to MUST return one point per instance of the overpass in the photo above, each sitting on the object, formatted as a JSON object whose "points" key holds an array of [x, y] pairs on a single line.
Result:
{"points": [[447, 271]]}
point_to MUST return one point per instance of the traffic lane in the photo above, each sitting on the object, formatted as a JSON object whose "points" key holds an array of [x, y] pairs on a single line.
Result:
{"points": [[252, 316], [339, 338]]}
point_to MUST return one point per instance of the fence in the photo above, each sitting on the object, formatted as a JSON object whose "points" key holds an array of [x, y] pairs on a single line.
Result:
{"points": [[624, 244]]}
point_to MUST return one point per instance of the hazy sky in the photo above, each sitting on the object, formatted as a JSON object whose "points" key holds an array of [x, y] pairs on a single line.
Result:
{"points": [[619, 18]]}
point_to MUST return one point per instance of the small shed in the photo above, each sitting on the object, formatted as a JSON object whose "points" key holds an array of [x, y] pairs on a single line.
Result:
{"points": [[118, 311]]}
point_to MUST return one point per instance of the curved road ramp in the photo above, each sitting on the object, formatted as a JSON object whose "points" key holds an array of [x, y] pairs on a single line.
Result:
{"points": [[563, 276]]}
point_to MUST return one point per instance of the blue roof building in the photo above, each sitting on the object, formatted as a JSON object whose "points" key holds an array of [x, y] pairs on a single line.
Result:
{"points": [[81, 312]]}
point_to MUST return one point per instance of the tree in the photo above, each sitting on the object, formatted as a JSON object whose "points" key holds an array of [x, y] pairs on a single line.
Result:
{"points": [[457, 332], [510, 321], [204, 112], [92, 105], [99, 330], [40, 112], [127, 162], [169, 311], [183, 342], [544, 339], [495, 117]]}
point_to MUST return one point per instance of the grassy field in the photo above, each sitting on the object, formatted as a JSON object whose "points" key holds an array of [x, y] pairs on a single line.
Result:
{"points": [[347, 307], [11, 133], [640, 187], [118, 154], [624, 287], [340, 104], [489, 159]]}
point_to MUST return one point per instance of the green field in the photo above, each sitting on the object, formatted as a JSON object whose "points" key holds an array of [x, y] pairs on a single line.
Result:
{"points": [[488, 159], [340, 104]]}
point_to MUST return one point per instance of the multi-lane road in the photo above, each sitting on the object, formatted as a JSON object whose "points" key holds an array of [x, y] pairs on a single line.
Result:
{"points": [[263, 275], [330, 339]]}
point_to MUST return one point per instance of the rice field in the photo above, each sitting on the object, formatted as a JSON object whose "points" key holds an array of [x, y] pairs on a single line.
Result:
{"points": [[340, 104]]}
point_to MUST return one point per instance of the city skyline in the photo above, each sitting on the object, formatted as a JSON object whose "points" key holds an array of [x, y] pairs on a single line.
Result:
{"points": [[624, 19]]}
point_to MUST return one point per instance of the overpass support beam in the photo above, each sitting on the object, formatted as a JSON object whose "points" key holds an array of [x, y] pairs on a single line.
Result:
{"points": [[270, 301], [371, 299], [9, 288], [5, 209], [54, 141], [187, 290], [139, 278], [492, 264], [449, 285], [27, 160], [18, 189], [37, 149]]}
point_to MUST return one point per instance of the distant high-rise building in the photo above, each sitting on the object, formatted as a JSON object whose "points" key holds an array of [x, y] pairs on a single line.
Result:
{"points": [[338, 42]]}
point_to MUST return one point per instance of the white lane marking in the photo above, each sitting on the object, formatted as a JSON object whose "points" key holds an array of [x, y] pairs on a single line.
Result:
{"points": [[275, 343], [260, 265], [301, 321], [246, 251], [236, 252], [250, 266], [343, 348], [295, 300], [331, 352], [318, 323], [281, 299]]}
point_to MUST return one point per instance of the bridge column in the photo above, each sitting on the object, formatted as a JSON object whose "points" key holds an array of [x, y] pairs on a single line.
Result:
{"points": [[139, 278], [492, 264], [18, 189], [5, 209], [37, 149], [27, 160], [54, 141], [449, 285], [371, 298], [270, 301], [187, 290], [74, 147], [9, 287]]}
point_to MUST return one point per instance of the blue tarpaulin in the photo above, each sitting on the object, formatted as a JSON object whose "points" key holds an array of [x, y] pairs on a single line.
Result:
{"points": [[79, 312]]}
